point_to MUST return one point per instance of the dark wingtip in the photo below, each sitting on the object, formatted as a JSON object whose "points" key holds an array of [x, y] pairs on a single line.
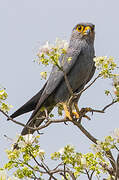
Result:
{"points": [[28, 106]]}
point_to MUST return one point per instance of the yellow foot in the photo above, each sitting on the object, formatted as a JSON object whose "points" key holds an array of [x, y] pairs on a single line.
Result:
{"points": [[67, 112], [76, 114]]}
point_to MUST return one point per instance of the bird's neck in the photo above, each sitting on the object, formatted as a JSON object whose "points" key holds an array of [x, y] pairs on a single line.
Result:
{"points": [[80, 44]]}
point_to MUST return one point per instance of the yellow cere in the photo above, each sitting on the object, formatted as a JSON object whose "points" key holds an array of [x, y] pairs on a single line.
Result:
{"points": [[86, 28]]}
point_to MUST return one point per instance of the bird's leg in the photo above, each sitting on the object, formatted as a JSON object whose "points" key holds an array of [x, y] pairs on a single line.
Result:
{"points": [[80, 113], [67, 111], [77, 112]]}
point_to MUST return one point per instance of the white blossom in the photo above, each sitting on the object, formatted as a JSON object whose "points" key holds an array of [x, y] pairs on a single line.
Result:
{"points": [[96, 148], [29, 138], [21, 144], [83, 162], [116, 133], [45, 48], [61, 43], [61, 151], [41, 153], [3, 175]]}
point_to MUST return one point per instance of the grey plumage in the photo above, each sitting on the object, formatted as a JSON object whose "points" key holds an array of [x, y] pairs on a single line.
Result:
{"points": [[79, 72], [28, 106]]}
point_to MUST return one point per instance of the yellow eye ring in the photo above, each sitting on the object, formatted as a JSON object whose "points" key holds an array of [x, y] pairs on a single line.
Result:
{"points": [[80, 28]]}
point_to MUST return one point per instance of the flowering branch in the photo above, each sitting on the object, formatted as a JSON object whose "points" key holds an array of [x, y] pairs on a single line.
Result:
{"points": [[81, 163]]}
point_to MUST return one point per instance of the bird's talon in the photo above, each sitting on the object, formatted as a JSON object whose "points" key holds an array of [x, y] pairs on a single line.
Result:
{"points": [[76, 114], [39, 133], [65, 123], [68, 116], [87, 117]]}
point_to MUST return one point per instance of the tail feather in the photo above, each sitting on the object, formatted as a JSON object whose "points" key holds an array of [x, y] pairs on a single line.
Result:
{"points": [[30, 105], [33, 123], [36, 117]]}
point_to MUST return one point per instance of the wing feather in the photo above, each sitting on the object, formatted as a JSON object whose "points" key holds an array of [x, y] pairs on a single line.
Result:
{"points": [[56, 77]]}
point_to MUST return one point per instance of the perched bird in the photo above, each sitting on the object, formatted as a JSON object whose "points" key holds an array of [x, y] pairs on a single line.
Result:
{"points": [[79, 71]]}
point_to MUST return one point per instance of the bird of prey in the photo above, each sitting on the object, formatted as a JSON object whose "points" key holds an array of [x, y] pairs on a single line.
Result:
{"points": [[79, 71]]}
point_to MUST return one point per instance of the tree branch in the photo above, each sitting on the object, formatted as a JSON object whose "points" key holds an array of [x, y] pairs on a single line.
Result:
{"points": [[84, 131], [107, 106], [42, 166], [94, 140]]}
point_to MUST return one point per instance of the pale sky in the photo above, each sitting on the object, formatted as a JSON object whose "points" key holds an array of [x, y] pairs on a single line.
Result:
{"points": [[24, 25]]}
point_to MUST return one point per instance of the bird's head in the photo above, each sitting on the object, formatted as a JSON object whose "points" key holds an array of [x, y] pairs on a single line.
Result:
{"points": [[84, 31]]}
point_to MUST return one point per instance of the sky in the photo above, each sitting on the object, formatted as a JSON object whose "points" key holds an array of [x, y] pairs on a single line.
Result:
{"points": [[27, 24]]}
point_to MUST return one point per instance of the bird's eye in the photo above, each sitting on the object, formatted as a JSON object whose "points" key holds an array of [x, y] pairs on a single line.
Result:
{"points": [[79, 28]]}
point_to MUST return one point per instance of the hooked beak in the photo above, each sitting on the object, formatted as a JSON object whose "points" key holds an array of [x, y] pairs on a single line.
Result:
{"points": [[87, 31]]}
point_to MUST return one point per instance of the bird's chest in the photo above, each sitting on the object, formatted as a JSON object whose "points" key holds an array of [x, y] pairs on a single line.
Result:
{"points": [[82, 68]]}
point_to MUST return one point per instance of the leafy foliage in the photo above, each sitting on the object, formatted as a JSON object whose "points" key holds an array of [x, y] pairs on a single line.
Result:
{"points": [[3, 96], [50, 53], [28, 159], [106, 65], [22, 158]]}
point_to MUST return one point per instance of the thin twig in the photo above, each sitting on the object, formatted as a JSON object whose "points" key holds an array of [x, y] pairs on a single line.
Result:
{"points": [[42, 166], [61, 172], [52, 122], [22, 162], [109, 170], [48, 172], [77, 95], [111, 159], [71, 174], [88, 174], [65, 172], [11, 118], [87, 134], [117, 168], [67, 83], [36, 128], [105, 108], [61, 164], [113, 102], [92, 174]]}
